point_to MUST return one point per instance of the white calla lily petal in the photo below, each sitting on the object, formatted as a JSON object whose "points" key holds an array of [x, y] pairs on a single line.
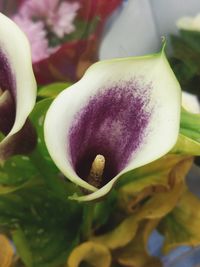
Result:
{"points": [[127, 110], [16, 76]]}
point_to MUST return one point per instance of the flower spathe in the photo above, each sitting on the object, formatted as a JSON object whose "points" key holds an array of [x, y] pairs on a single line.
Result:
{"points": [[127, 110], [17, 82]]}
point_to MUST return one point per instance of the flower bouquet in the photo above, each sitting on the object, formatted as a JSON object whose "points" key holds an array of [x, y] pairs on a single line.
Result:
{"points": [[89, 170]]}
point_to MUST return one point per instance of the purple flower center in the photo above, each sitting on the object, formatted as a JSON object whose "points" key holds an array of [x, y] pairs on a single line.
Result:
{"points": [[7, 95], [112, 124]]}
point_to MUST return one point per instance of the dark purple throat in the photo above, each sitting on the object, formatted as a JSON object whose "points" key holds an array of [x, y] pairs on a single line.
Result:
{"points": [[8, 106], [112, 124]]}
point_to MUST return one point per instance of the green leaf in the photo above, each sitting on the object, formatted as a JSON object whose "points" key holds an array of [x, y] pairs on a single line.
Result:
{"points": [[105, 209], [37, 118], [45, 229], [192, 39], [23, 248], [1, 136], [185, 58], [186, 54], [52, 90], [40, 156], [17, 170], [183, 73], [190, 125], [188, 142]]}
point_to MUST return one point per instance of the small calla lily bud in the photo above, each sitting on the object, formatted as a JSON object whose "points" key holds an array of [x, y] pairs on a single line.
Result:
{"points": [[190, 102], [189, 23], [126, 111], [17, 82]]}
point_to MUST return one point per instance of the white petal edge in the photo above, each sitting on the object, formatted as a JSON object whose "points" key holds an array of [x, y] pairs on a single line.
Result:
{"points": [[16, 48], [166, 92]]}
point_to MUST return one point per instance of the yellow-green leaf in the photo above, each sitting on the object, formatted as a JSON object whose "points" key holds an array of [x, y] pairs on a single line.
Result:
{"points": [[155, 170], [186, 146], [181, 226], [135, 254], [119, 236], [147, 181], [162, 203], [8, 189], [156, 207], [95, 254]]}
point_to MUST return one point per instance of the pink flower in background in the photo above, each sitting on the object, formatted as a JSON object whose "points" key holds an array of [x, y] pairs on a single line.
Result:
{"points": [[46, 20], [62, 20], [37, 37]]}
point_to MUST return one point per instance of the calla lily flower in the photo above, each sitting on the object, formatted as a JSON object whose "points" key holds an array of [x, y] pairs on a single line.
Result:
{"points": [[17, 82], [123, 114]]}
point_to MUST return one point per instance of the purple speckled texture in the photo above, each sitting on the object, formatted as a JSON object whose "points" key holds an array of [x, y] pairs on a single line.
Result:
{"points": [[8, 107], [112, 124]]}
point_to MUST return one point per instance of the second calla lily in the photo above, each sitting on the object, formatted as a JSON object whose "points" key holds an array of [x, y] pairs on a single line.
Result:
{"points": [[17, 82], [123, 114]]}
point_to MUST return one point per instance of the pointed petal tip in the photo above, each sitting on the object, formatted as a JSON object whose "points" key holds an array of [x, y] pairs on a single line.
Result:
{"points": [[164, 43]]}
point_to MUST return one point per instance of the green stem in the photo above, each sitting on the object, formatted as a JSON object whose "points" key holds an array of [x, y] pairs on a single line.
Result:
{"points": [[88, 214], [22, 246]]}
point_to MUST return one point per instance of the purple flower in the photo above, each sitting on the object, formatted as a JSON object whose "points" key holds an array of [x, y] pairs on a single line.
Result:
{"points": [[123, 114]]}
